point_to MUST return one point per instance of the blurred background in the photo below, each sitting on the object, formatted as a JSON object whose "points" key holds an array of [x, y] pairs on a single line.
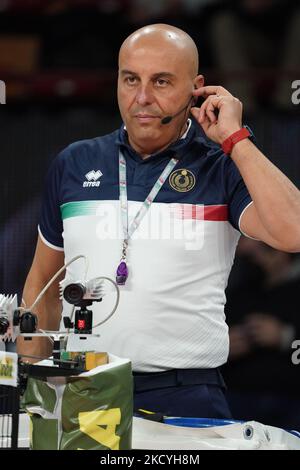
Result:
{"points": [[58, 59]]}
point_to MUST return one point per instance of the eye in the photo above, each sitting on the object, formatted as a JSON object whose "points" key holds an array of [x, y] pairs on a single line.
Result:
{"points": [[162, 82], [131, 80]]}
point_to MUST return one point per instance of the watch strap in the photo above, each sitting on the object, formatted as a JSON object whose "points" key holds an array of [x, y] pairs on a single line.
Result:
{"points": [[234, 138]]}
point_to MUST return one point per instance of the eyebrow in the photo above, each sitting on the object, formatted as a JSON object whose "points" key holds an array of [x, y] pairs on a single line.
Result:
{"points": [[155, 75]]}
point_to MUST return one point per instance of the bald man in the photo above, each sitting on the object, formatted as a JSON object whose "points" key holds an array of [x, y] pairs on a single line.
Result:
{"points": [[159, 206]]}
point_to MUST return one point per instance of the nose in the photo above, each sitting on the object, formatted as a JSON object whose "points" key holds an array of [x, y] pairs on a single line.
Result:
{"points": [[144, 95]]}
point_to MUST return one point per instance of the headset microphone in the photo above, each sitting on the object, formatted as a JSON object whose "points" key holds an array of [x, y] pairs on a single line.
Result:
{"points": [[168, 119]]}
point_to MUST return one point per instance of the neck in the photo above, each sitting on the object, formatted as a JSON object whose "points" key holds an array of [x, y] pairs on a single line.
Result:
{"points": [[146, 151]]}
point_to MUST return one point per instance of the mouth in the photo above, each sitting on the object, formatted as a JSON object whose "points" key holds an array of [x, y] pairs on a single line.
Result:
{"points": [[145, 118]]}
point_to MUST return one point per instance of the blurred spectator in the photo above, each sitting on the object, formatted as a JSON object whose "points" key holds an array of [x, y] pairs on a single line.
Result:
{"points": [[263, 314], [251, 37]]}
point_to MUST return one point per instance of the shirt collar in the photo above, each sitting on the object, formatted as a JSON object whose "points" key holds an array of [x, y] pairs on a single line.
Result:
{"points": [[189, 123], [179, 147]]}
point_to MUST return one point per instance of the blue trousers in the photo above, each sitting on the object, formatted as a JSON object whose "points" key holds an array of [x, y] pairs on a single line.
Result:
{"points": [[197, 393]]}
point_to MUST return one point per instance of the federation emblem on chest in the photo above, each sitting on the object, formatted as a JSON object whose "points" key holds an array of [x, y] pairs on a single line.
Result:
{"points": [[182, 180]]}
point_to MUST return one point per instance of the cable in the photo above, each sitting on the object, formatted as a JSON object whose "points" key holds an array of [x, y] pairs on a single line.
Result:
{"points": [[46, 334], [40, 295], [87, 263], [116, 304], [55, 277]]}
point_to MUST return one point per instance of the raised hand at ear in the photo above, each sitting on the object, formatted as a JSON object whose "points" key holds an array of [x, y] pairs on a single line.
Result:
{"points": [[220, 115]]}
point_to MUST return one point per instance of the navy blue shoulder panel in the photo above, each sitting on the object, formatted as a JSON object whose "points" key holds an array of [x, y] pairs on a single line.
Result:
{"points": [[94, 155], [67, 176]]}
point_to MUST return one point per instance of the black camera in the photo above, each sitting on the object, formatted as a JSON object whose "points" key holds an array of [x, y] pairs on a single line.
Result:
{"points": [[74, 293]]}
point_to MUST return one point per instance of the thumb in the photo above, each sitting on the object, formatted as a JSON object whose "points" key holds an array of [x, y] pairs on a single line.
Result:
{"points": [[195, 112]]}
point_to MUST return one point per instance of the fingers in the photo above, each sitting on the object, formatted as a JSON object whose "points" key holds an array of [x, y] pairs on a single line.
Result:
{"points": [[207, 109], [206, 91], [212, 104], [220, 115], [195, 112]]}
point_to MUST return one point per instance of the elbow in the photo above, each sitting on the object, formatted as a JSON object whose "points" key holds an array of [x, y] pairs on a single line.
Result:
{"points": [[292, 246], [288, 237], [293, 249]]}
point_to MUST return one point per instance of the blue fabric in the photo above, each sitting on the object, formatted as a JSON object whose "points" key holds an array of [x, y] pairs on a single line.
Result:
{"points": [[199, 422], [182, 393], [202, 401]]}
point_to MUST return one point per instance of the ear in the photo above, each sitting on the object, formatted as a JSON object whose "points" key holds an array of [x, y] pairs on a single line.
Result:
{"points": [[199, 81]]}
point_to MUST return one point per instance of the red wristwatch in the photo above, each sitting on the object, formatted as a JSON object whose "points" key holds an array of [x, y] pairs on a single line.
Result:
{"points": [[228, 143]]}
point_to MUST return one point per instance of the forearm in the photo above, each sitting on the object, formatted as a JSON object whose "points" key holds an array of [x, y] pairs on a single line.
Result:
{"points": [[275, 214], [48, 311], [276, 198]]}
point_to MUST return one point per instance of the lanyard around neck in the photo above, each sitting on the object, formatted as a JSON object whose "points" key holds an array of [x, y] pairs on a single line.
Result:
{"points": [[129, 230]]}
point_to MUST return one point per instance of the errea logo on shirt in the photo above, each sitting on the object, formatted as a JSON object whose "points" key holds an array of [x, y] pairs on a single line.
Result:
{"points": [[92, 177]]}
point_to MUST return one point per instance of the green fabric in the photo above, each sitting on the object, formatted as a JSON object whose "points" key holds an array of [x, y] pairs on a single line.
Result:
{"points": [[95, 412], [78, 208], [44, 433], [39, 393]]}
